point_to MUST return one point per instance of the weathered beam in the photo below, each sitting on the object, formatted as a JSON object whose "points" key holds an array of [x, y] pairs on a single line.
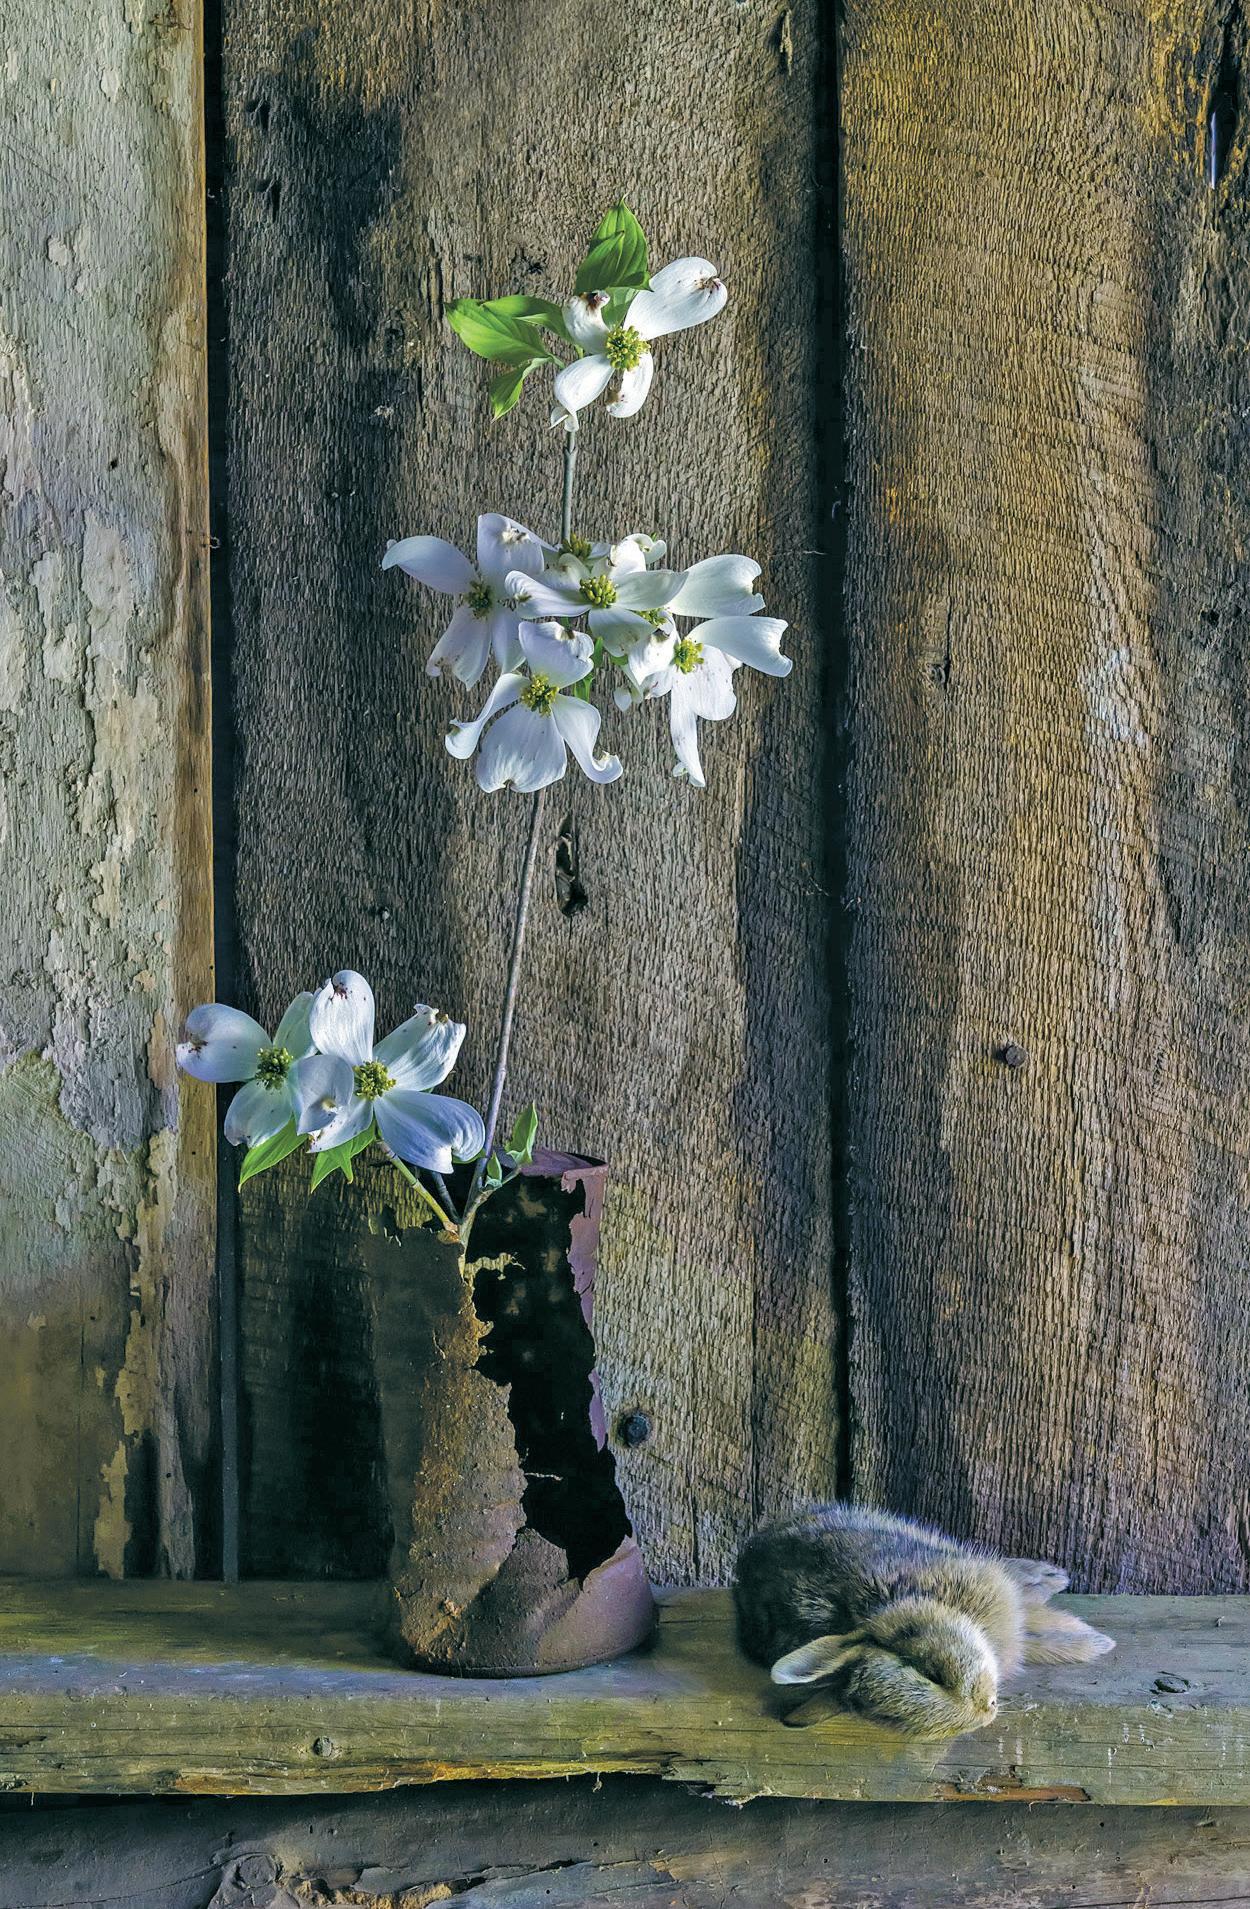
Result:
{"points": [[1049, 853], [106, 1189], [620, 1844], [674, 1023], [283, 1689]]}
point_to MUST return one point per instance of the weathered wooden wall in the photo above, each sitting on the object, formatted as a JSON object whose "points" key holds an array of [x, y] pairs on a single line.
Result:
{"points": [[1047, 328], [624, 1843], [381, 164], [106, 1186]]}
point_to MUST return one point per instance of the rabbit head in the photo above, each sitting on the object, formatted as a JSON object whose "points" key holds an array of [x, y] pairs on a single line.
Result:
{"points": [[919, 1666]]}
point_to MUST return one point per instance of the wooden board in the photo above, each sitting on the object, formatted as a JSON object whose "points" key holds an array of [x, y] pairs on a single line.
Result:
{"points": [[619, 1843], [106, 1189], [382, 164], [1046, 370], [280, 1688]]}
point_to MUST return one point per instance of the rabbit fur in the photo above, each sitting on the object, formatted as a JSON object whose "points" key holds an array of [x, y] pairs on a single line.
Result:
{"points": [[897, 1622]]}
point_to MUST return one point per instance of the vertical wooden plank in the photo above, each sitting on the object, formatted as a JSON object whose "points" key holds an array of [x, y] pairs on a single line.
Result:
{"points": [[1048, 546], [106, 1192], [676, 1024]]}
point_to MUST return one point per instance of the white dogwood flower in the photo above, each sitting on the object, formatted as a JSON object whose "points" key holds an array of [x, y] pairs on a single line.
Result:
{"points": [[695, 671], [526, 747], [613, 591], [486, 618], [225, 1044], [349, 1084], [687, 292]]}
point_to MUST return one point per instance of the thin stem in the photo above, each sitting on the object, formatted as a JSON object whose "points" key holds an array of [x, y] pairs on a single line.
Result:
{"points": [[520, 920], [406, 1173], [566, 501], [519, 924], [443, 1190]]}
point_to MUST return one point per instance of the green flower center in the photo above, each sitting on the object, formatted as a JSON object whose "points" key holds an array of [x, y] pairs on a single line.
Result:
{"points": [[372, 1080], [653, 617], [623, 348], [687, 654], [272, 1065], [578, 547], [598, 592], [478, 597], [539, 694]]}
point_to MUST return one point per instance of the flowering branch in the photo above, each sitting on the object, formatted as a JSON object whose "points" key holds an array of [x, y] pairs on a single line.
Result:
{"points": [[554, 620]]}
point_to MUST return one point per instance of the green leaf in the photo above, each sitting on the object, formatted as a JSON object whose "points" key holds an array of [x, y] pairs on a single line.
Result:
{"points": [[505, 389], [496, 334], [519, 305], [494, 1172], [267, 1153], [339, 1159], [617, 255], [524, 1134], [616, 311]]}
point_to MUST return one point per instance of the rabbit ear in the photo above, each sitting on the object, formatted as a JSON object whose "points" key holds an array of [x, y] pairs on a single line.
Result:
{"points": [[1057, 1637], [810, 1662], [1037, 1580]]}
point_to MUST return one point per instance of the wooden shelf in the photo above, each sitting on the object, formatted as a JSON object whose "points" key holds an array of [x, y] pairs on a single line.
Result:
{"points": [[271, 1689]]}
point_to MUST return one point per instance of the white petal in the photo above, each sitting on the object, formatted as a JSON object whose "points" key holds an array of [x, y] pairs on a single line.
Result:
{"points": [[649, 659], [320, 1088], [630, 391], [345, 1125], [682, 294], [430, 1130], [555, 594], [649, 589], [341, 1020], [505, 641], [624, 559], [523, 750], [432, 560], [578, 723], [583, 315], [462, 738], [753, 640], [562, 657], [222, 1043], [711, 687], [463, 649], [256, 1113], [581, 382], [422, 1051], [618, 629], [503, 545], [684, 730], [719, 586], [294, 1032], [567, 418]]}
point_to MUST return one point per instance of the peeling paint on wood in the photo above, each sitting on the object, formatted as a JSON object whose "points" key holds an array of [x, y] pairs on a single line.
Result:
{"points": [[105, 1192]]}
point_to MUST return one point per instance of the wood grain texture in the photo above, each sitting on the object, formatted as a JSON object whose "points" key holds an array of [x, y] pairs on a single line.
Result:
{"points": [[106, 1190], [1050, 956], [381, 165], [623, 1843], [276, 1689]]}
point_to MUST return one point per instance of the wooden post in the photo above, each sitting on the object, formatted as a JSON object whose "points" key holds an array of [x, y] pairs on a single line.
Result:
{"points": [[674, 1012], [106, 1186], [1050, 951]]}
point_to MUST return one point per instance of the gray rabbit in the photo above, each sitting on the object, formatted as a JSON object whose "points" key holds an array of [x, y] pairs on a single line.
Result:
{"points": [[897, 1622]]}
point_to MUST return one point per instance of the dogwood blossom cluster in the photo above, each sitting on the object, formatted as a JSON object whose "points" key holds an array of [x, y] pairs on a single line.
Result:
{"points": [[321, 1080], [557, 618]]}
